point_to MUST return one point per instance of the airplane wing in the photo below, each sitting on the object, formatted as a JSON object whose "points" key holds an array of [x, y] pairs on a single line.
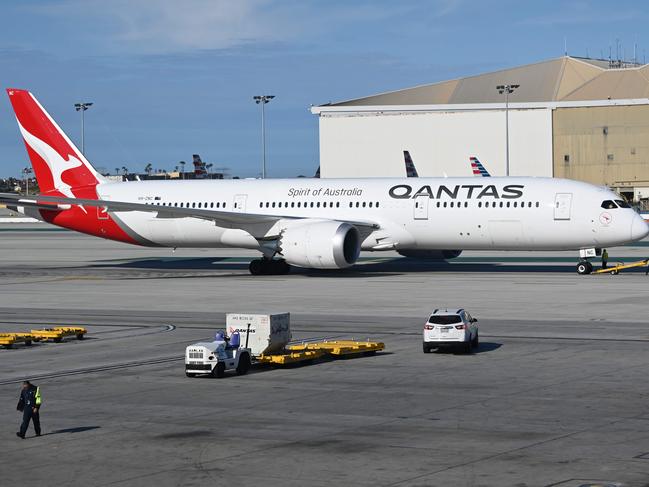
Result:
{"points": [[226, 219]]}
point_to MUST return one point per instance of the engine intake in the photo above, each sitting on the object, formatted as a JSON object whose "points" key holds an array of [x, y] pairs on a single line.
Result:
{"points": [[320, 245]]}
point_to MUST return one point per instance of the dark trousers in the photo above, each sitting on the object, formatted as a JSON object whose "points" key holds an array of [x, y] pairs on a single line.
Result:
{"points": [[29, 414]]}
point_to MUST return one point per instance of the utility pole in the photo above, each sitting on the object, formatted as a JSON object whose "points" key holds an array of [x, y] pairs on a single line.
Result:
{"points": [[506, 90], [82, 107], [262, 100]]}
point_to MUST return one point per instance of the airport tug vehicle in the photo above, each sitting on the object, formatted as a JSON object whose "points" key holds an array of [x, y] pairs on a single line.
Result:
{"points": [[451, 328], [267, 341], [261, 334], [215, 359]]}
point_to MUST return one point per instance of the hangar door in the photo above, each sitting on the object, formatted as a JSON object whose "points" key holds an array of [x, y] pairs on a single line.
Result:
{"points": [[562, 204]]}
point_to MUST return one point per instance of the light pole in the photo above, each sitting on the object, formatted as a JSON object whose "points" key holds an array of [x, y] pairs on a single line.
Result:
{"points": [[506, 90], [27, 171], [262, 100], [82, 107]]}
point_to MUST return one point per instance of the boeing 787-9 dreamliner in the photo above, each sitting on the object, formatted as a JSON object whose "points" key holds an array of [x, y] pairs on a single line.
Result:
{"points": [[316, 223]]}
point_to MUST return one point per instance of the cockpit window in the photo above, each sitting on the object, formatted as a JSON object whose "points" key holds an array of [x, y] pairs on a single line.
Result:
{"points": [[608, 205], [622, 204]]}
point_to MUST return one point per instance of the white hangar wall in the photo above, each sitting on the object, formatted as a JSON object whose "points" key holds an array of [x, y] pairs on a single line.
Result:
{"points": [[371, 144]]}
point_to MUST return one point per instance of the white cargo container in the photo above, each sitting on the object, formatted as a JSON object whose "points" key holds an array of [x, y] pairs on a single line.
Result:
{"points": [[269, 333]]}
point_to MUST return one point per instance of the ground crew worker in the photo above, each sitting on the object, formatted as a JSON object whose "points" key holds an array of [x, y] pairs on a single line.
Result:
{"points": [[604, 259], [29, 404]]}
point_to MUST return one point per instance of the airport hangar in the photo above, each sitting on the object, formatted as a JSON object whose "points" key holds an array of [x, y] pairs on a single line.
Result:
{"points": [[576, 118]]}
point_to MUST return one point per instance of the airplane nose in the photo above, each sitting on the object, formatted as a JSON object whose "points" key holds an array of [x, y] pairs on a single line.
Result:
{"points": [[639, 228]]}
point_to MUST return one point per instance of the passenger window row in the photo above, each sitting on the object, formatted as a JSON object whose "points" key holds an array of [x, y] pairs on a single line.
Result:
{"points": [[488, 204], [316, 204], [192, 204]]}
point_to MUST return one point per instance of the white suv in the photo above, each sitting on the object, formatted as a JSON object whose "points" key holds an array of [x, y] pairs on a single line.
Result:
{"points": [[451, 328]]}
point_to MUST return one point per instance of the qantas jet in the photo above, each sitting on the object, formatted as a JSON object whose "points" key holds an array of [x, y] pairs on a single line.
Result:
{"points": [[316, 223]]}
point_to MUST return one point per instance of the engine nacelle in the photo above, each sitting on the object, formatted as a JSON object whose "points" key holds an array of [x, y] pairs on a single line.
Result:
{"points": [[430, 254], [321, 245]]}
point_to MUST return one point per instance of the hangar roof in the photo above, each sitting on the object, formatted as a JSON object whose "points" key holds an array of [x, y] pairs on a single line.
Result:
{"points": [[563, 79]]}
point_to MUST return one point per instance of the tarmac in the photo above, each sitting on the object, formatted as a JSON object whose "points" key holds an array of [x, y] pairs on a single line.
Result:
{"points": [[556, 395]]}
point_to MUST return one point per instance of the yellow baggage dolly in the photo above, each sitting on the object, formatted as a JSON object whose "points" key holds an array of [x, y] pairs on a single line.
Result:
{"points": [[307, 351], [7, 340], [57, 333], [614, 270]]}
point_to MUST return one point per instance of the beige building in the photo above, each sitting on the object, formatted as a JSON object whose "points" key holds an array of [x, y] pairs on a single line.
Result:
{"points": [[570, 117]]}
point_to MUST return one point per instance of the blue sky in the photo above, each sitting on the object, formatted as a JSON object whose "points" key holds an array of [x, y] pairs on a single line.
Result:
{"points": [[172, 78]]}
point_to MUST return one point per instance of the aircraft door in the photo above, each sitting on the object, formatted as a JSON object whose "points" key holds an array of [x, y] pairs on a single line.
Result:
{"points": [[102, 211], [240, 203], [562, 204], [421, 207]]}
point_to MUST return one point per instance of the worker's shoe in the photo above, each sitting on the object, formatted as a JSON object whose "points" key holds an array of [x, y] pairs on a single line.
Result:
{"points": [[19, 435]]}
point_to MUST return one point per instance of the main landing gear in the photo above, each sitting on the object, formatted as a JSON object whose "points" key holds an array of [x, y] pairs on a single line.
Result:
{"points": [[584, 267], [268, 267]]}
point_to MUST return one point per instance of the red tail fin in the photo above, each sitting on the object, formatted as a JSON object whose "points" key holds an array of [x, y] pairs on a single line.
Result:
{"points": [[58, 164]]}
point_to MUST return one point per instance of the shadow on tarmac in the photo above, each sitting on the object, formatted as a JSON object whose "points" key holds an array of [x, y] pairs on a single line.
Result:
{"points": [[484, 347], [363, 269], [78, 429]]}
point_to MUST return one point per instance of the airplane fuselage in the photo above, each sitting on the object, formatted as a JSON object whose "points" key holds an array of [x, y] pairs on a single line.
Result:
{"points": [[426, 213]]}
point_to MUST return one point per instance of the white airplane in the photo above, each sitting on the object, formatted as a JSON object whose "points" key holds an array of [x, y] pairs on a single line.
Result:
{"points": [[317, 223]]}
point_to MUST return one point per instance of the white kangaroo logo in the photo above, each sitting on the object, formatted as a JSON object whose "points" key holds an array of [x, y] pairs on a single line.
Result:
{"points": [[57, 164]]}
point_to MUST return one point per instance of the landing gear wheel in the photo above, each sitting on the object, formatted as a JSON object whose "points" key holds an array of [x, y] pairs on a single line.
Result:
{"points": [[256, 267], [268, 267], [244, 365], [282, 267], [219, 370], [584, 267]]}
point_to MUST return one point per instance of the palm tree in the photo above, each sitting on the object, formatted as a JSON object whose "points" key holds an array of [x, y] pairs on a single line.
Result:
{"points": [[148, 168], [182, 173], [117, 170], [125, 170]]}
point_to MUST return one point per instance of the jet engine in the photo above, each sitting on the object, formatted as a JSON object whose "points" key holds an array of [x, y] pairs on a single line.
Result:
{"points": [[320, 245], [430, 254]]}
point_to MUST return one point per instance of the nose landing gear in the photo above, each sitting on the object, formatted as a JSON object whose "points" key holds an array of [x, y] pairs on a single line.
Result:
{"points": [[268, 267], [584, 267]]}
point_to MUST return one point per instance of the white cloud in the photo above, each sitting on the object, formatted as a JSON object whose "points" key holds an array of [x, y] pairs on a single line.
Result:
{"points": [[155, 26], [164, 26]]}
